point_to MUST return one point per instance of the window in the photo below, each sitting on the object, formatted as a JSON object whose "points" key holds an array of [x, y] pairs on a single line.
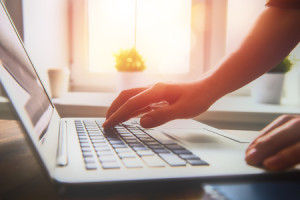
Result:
{"points": [[160, 30], [169, 34]]}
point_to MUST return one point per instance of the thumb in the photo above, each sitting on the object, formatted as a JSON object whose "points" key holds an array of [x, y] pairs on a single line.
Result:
{"points": [[159, 117]]}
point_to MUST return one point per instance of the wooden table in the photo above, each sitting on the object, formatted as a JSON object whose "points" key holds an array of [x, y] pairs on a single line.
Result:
{"points": [[21, 177]]}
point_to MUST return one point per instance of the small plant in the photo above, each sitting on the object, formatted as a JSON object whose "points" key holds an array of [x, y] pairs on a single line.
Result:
{"points": [[129, 60], [283, 67]]}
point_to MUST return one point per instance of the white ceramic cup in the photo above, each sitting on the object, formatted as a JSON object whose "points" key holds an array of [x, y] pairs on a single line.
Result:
{"points": [[59, 81]]}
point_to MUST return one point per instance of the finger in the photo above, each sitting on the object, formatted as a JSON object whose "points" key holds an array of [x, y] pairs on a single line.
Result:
{"points": [[273, 125], [147, 109], [279, 138], [121, 99], [286, 158], [161, 116], [140, 112], [134, 104]]}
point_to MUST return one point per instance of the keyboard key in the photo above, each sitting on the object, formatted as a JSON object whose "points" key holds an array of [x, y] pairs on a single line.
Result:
{"points": [[84, 144], [97, 137], [182, 151], [91, 166], [103, 153], [107, 158], [86, 149], [145, 140], [189, 156], [100, 145], [132, 141], [172, 159], [153, 161], [145, 153], [132, 163], [174, 147], [119, 146], [89, 160], [98, 133], [87, 154], [128, 138], [126, 155], [143, 148], [136, 144], [110, 165], [197, 162], [118, 150], [102, 148], [161, 151], [117, 142], [127, 134], [98, 141], [155, 146], [154, 142]]}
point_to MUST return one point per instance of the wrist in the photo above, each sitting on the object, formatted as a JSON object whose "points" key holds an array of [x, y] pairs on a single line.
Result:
{"points": [[213, 88]]}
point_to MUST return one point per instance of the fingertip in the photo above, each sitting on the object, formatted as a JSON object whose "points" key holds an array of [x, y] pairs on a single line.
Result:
{"points": [[104, 125], [251, 157], [147, 121]]}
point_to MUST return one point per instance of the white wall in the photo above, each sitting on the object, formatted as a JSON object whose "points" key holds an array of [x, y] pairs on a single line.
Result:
{"points": [[46, 33]]}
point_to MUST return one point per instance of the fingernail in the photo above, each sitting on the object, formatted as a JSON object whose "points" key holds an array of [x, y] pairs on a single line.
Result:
{"points": [[251, 157], [146, 121]]}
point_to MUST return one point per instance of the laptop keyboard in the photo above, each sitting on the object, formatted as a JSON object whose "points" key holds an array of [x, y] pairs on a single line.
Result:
{"points": [[130, 146]]}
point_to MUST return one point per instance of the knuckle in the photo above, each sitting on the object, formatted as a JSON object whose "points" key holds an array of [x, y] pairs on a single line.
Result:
{"points": [[295, 123], [261, 143], [159, 85], [124, 93], [131, 102], [285, 117], [160, 88]]}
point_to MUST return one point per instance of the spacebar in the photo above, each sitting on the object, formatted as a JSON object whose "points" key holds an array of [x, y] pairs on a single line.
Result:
{"points": [[172, 159]]}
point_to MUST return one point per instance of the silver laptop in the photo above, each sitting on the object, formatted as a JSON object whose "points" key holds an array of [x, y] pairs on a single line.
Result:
{"points": [[78, 151]]}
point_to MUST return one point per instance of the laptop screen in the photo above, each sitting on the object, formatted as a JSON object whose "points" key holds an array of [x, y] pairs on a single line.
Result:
{"points": [[24, 81]]}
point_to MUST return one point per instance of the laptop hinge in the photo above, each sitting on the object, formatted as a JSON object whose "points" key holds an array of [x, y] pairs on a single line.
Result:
{"points": [[62, 154]]}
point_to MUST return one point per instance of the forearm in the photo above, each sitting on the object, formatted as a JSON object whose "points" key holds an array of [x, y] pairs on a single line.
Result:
{"points": [[275, 34]]}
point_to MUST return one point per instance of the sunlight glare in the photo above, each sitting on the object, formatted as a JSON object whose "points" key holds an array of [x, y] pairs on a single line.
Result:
{"points": [[163, 33]]}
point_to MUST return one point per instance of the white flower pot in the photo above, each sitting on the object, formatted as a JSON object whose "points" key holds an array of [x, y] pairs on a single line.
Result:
{"points": [[127, 80], [267, 88]]}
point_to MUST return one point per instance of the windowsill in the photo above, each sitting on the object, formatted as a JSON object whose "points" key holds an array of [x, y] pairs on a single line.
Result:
{"points": [[230, 112]]}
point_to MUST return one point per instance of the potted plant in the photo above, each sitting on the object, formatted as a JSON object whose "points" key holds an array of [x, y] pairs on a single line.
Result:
{"points": [[130, 65], [268, 87]]}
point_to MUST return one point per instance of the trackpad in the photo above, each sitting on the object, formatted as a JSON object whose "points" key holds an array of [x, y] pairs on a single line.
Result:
{"points": [[193, 135], [212, 136]]}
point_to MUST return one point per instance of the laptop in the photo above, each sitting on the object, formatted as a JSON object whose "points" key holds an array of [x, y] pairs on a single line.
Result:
{"points": [[77, 151]]}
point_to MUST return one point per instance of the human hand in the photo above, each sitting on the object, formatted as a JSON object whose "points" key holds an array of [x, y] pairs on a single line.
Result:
{"points": [[184, 100], [278, 146]]}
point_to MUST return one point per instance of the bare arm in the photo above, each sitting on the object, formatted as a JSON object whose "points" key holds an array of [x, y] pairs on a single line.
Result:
{"points": [[275, 34]]}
